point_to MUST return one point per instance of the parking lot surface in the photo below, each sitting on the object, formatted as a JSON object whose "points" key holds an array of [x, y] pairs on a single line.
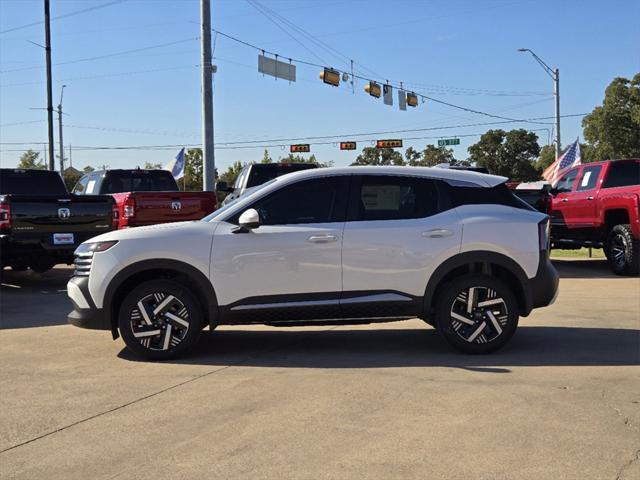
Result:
{"points": [[561, 401]]}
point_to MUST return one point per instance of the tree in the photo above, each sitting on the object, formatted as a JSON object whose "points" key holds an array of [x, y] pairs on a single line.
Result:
{"points": [[412, 156], [88, 169], [193, 170], [547, 157], [152, 166], [291, 158], [432, 155], [71, 177], [31, 159], [510, 154], [266, 158], [613, 129], [379, 156], [232, 172]]}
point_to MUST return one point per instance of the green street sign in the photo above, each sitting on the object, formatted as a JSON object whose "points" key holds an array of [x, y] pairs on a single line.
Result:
{"points": [[448, 141]]}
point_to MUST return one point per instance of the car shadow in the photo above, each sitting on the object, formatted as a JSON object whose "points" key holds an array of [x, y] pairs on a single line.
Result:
{"points": [[379, 348], [584, 268]]}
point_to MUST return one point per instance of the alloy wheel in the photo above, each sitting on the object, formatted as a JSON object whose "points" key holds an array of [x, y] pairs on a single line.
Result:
{"points": [[159, 321], [479, 315], [618, 250]]}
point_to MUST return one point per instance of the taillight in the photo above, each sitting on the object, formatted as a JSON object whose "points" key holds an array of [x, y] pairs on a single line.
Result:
{"points": [[544, 234], [5, 216], [129, 210]]}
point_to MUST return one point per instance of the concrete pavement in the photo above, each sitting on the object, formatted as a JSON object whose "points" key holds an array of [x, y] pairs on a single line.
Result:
{"points": [[562, 400]]}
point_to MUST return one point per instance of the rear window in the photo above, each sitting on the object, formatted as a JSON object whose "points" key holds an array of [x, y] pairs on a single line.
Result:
{"points": [[139, 181], [262, 173], [622, 174], [498, 195], [31, 182]]}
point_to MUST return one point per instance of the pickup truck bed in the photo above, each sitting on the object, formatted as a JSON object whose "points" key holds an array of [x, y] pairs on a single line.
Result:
{"points": [[39, 230]]}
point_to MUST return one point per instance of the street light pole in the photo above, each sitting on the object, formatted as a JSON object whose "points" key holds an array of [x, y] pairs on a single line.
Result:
{"points": [[206, 71], [555, 76], [47, 34], [60, 132]]}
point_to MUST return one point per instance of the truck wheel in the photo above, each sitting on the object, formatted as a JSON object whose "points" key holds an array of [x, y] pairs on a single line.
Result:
{"points": [[160, 320], [623, 251], [43, 265], [477, 313]]}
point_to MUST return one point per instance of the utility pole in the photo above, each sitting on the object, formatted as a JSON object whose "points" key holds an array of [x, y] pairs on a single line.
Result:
{"points": [[60, 132], [70, 162], [206, 70], [555, 76], [47, 33], [556, 92]]}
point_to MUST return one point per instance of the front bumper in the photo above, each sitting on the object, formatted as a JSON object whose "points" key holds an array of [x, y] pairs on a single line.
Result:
{"points": [[544, 286], [85, 314]]}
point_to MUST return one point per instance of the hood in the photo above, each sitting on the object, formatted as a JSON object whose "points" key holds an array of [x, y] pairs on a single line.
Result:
{"points": [[164, 230]]}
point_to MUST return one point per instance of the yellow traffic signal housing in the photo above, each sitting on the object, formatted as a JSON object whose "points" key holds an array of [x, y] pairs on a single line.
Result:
{"points": [[373, 89], [389, 143], [412, 99], [330, 76], [300, 148], [347, 145]]}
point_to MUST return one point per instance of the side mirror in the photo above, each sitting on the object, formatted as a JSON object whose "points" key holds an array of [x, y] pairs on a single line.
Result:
{"points": [[553, 191], [249, 219], [223, 187]]}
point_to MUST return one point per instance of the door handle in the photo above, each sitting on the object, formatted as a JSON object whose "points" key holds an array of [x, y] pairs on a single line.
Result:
{"points": [[437, 233], [589, 198], [322, 238], [564, 200]]}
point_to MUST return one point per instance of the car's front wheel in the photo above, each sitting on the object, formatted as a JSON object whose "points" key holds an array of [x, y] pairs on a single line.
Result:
{"points": [[477, 313], [160, 320]]}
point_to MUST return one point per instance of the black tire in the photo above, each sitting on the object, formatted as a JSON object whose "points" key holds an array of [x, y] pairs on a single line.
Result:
{"points": [[42, 265], [477, 328], [178, 323], [623, 251]]}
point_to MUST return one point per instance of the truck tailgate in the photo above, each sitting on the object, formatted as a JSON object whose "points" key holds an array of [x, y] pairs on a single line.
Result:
{"points": [[163, 207], [60, 221]]}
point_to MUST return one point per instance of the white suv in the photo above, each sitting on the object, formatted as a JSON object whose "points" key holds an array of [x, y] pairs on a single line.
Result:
{"points": [[326, 246]]}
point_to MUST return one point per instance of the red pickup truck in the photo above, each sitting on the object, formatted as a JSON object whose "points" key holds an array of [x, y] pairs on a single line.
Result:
{"points": [[146, 197], [597, 204]]}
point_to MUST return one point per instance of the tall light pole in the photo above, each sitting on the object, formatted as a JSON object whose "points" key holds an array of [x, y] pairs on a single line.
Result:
{"points": [[555, 76], [47, 34], [206, 71], [60, 131]]}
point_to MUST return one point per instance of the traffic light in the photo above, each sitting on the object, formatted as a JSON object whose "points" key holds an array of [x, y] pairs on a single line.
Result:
{"points": [[373, 89], [330, 76], [347, 145], [412, 99], [300, 148], [389, 143]]}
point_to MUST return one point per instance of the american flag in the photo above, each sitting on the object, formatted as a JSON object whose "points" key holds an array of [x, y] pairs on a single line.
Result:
{"points": [[570, 158]]}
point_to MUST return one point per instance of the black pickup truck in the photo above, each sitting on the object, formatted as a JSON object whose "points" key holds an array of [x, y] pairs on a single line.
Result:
{"points": [[41, 223]]}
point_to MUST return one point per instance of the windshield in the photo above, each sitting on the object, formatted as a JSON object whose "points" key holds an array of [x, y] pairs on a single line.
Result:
{"points": [[245, 194]]}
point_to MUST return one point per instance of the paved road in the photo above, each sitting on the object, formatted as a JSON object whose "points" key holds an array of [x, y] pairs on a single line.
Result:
{"points": [[390, 401]]}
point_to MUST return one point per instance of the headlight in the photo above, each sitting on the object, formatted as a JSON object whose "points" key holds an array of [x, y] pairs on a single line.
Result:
{"points": [[93, 247]]}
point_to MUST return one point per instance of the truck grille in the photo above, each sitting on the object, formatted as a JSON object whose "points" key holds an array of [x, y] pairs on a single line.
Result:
{"points": [[83, 264]]}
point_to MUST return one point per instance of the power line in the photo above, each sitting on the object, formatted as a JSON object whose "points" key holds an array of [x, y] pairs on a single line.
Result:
{"points": [[70, 14], [394, 85]]}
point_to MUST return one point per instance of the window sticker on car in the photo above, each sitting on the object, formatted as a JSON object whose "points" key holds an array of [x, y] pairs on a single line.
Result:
{"points": [[381, 197], [90, 186], [585, 179]]}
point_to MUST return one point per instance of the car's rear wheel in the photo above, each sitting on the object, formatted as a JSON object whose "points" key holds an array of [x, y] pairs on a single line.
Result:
{"points": [[477, 313], [160, 320], [623, 251]]}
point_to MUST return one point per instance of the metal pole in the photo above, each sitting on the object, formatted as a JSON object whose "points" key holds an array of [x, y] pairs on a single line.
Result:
{"points": [[60, 136], [556, 91], [208, 160], [70, 163], [47, 33]]}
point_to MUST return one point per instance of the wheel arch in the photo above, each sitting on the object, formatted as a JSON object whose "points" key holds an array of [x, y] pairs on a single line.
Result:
{"points": [[491, 263], [139, 272]]}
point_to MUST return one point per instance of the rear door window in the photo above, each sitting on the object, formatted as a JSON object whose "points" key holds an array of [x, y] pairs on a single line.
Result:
{"points": [[81, 186], [382, 197], [622, 174]]}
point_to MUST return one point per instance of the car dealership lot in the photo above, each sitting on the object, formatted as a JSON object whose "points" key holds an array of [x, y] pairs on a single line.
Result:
{"points": [[562, 400]]}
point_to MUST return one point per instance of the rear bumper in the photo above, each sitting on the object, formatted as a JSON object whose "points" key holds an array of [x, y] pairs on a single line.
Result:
{"points": [[85, 314], [543, 287]]}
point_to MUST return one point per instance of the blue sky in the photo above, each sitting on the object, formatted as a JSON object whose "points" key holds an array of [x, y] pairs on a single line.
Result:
{"points": [[458, 51]]}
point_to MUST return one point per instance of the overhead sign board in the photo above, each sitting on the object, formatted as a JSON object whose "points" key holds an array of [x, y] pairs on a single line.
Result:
{"points": [[347, 145], [412, 99], [276, 68], [330, 76], [448, 141], [300, 148], [373, 89], [388, 94], [402, 100], [396, 143]]}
